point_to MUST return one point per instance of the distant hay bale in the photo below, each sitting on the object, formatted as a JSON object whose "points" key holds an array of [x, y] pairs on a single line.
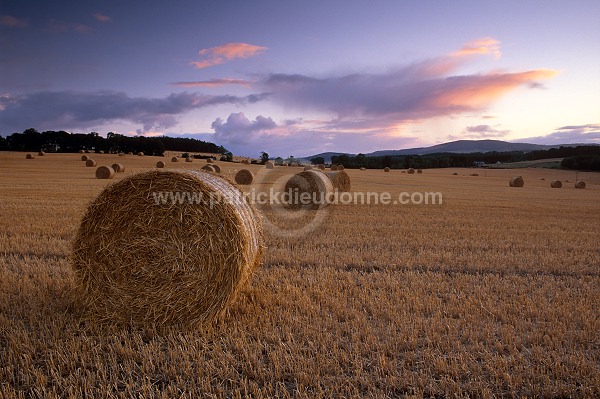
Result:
{"points": [[403, 171], [340, 167], [121, 154], [314, 186], [542, 178], [160, 164], [455, 174], [245, 162], [41, 153], [269, 165], [209, 160], [321, 166], [516, 181], [209, 168], [130, 153], [104, 172], [410, 171], [90, 163], [474, 174], [333, 168], [340, 180], [308, 167], [147, 263], [29, 156], [244, 177], [189, 159], [580, 184], [556, 184], [419, 170], [81, 151], [118, 167], [386, 169], [84, 158], [216, 167], [140, 154], [363, 168], [294, 164], [174, 159]]}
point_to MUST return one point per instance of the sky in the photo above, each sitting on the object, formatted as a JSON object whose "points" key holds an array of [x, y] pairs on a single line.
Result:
{"points": [[299, 78]]}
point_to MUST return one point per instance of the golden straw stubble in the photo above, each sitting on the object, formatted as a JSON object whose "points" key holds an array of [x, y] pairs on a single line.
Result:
{"points": [[140, 258]]}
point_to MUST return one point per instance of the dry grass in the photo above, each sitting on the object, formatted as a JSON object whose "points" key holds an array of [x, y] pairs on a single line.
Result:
{"points": [[495, 293]]}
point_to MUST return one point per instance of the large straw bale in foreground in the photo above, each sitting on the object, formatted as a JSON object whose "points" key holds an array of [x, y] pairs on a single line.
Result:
{"points": [[148, 262], [312, 183], [516, 181], [340, 180]]}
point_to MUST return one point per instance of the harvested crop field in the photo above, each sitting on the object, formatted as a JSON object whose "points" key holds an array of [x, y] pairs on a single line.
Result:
{"points": [[493, 293]]}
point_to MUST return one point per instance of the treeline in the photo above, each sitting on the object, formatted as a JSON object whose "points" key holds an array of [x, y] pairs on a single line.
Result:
{"points": [[61, 141], [583, 158]]}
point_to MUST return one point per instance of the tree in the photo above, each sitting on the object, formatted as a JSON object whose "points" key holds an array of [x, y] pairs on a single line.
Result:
{"points": [[264, 157], [227, 156], [317, 160]]}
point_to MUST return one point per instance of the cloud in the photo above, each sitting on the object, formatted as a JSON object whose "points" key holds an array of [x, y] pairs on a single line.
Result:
{"points": [[13, 22], [101, 17], [480, 132], [573, 134], [486, 45], [227, 52], [240, 130], [214, 83], [68, 109]]}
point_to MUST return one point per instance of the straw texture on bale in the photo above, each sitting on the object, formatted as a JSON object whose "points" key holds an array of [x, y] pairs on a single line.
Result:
{"points": [[147, 263], [410, 171], [516, 181], [244, 177], [321, 166], [269, 165], [386, 169], [556, 184], [316, 184], [174, 159], [104, 172], [118, 167], [29, 156], [141, 154], [41, 153], [580, 184], [209, 168], [216, 167], [90, 163], [340, 180], [189, 159], [160, 164], [334, 168]]}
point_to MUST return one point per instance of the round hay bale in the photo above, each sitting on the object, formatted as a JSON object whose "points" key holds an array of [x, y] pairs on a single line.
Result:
{"points": [[245, 162], [333, 168], [84, 157], [580, 184], [312, 184], [308, 167], [455, 174], [321, 166], [104, 172], [363, 168], [244, 177], [41, 153], [209, 160], [556, 184], [410, 171], [29, 156], [269, 165], [340, 167], [81, 151], [147, 263], [516, 181], [130, 153], [216, 167], [209, 168], [174, 159], [118, 167], [294, 164], [189, 159], [90, 163], [140, 154], [419, 170], [340, 180], [474, 174], [160, 164], [386, 169], [403, 171]]}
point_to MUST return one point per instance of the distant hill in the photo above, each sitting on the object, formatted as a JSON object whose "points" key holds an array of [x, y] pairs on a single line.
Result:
{"points": [[457, 147]]}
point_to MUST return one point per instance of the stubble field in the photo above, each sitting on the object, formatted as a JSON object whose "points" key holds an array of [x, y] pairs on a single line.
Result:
{"points": [[493, 293]]}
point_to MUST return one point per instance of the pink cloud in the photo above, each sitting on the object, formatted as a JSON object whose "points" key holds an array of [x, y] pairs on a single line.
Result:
{"points": [[81, 28], [486, 45], [215, 83], [13, 22], [227, 52], [101, 17]]}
